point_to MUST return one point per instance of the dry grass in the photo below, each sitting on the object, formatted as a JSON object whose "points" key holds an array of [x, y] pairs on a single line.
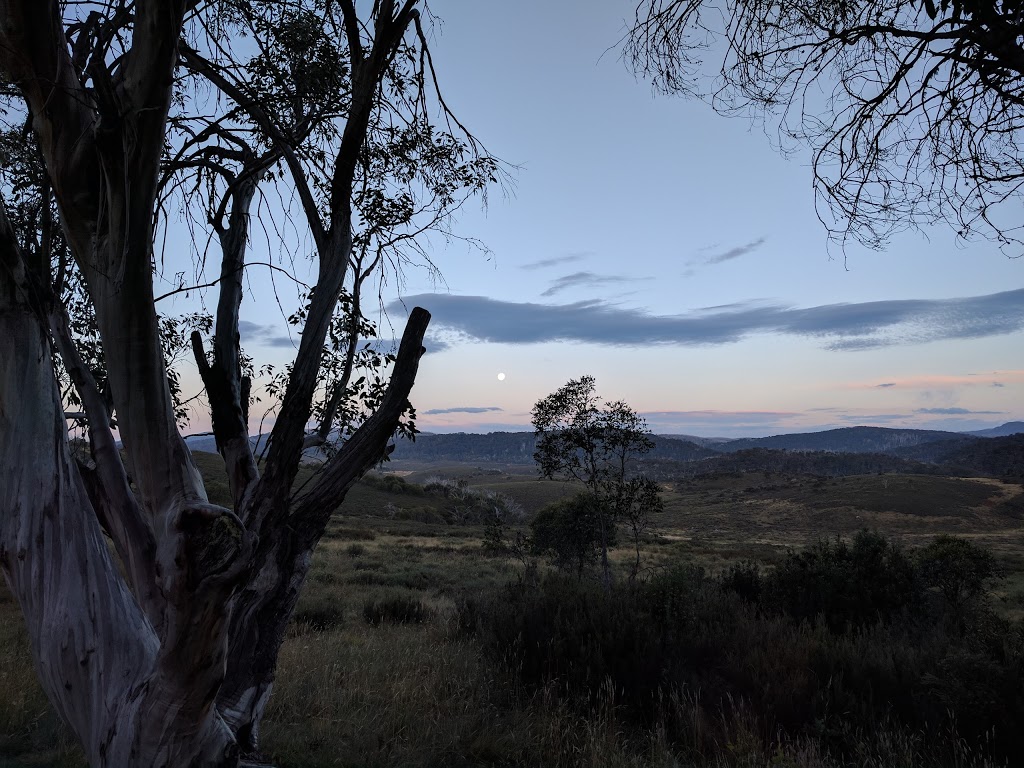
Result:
{"points": [[350, 694]]}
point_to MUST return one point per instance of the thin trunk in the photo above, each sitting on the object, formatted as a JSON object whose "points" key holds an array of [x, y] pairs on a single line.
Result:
{"points": [[226, 388], [606, 570]]}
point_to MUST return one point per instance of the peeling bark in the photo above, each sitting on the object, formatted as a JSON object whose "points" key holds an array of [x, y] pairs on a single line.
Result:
{"points": [[100, 660]]}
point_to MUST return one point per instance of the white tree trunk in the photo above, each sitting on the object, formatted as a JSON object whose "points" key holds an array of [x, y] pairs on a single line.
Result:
{"points": [[97, 654], [138, 665]]}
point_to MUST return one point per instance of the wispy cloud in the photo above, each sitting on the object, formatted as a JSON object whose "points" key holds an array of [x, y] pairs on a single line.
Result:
{"points": [[462, 409], [556, 260], [735, 253], [948, 381], [586, 280], [956, 412], [839, 326]]}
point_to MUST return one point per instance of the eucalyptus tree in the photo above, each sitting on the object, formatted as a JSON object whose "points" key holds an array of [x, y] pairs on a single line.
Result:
{"points": [[913, 108], [161, 649], [582, 438]]}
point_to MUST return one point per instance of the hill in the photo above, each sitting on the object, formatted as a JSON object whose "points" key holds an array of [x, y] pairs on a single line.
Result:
{"points": [[1003, 430], [517, 448], [995, 456], [780, 462], [845, 440], [496, 447]]}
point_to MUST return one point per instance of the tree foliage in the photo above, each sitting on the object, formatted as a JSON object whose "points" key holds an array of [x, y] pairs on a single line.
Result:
{"points": [[580, 437], [569, 531], [913, 108]]}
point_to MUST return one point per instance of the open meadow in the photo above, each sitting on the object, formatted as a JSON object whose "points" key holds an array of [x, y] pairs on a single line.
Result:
{"points": [[389, 663]]}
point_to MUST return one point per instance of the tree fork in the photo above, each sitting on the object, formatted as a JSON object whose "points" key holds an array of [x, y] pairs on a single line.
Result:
{"points": [[260, 618]]}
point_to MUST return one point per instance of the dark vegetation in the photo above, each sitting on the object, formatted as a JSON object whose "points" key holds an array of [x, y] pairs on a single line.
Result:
{"points": [[752, 637], [843, 643]]}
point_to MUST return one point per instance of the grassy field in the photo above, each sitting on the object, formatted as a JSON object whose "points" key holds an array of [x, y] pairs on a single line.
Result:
{"points": [[357, 692]]}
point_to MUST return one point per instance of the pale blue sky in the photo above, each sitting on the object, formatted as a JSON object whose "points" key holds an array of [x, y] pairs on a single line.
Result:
{"points": [[632, 215]]}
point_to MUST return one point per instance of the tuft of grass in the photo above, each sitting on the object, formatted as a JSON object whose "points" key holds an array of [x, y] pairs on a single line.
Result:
{"points": [[396, 609]]}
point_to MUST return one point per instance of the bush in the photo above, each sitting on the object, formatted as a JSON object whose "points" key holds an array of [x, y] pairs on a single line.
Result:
{"points": [[851, 586], [396, 609], [744, 579], [392, 484], [958, 570], [568, 532], [320, 616], [853, 669]]}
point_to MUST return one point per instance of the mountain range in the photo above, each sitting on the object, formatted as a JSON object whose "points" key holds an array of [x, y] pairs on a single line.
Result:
{"points": [[998, 451]]}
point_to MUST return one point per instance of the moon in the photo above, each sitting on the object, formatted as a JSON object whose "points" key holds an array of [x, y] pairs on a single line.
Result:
{"points": [[501, 377]]}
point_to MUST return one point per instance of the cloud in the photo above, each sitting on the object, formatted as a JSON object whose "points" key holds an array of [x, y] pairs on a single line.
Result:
{"points": [[555, 261], [462, 409], [434, 343], [955, 412], [948, 381], [271, 336], [265, 335], [840, 326], [588, 279], [735, 253]]}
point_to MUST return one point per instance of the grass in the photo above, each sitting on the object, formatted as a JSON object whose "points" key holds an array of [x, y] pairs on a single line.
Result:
{"points": [[354, 693]]}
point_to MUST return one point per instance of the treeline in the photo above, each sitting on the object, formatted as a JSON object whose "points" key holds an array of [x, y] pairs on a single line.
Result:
{"points": [[796, 463], [993, 456], [1001, 457]]}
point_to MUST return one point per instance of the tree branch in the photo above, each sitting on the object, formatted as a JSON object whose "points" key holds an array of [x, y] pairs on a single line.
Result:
{"points": [[368, 445], [202, 66]]}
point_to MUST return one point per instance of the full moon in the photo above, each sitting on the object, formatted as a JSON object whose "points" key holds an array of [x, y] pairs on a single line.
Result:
{"points": [[501, 377]]}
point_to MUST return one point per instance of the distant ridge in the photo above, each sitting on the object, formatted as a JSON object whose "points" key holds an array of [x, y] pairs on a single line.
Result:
{"points": [[845, 440], [1003, 430], [518, 448], [933, 446], [707, 442]]}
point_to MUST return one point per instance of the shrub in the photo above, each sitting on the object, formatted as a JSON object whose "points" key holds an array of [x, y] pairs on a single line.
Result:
{"points": [[744, 579], [850, 586], [396, 609], [392, 484], [958, 570], [850, 673], [320, 616], [568, 532]]}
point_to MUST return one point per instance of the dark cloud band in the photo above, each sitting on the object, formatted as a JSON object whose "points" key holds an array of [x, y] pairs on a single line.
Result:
{"points": [[840, 326], [461, 409]]}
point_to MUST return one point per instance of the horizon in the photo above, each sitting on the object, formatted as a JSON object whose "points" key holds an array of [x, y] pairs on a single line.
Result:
{"points": [[510, 429]]}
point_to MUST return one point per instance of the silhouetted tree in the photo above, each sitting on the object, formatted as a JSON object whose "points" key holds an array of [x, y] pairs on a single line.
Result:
{"points": [[130, 113], [581, 438], [913, 108]]}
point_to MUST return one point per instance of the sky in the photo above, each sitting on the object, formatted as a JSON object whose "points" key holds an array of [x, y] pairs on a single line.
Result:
{"points": [[674, 255]]}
